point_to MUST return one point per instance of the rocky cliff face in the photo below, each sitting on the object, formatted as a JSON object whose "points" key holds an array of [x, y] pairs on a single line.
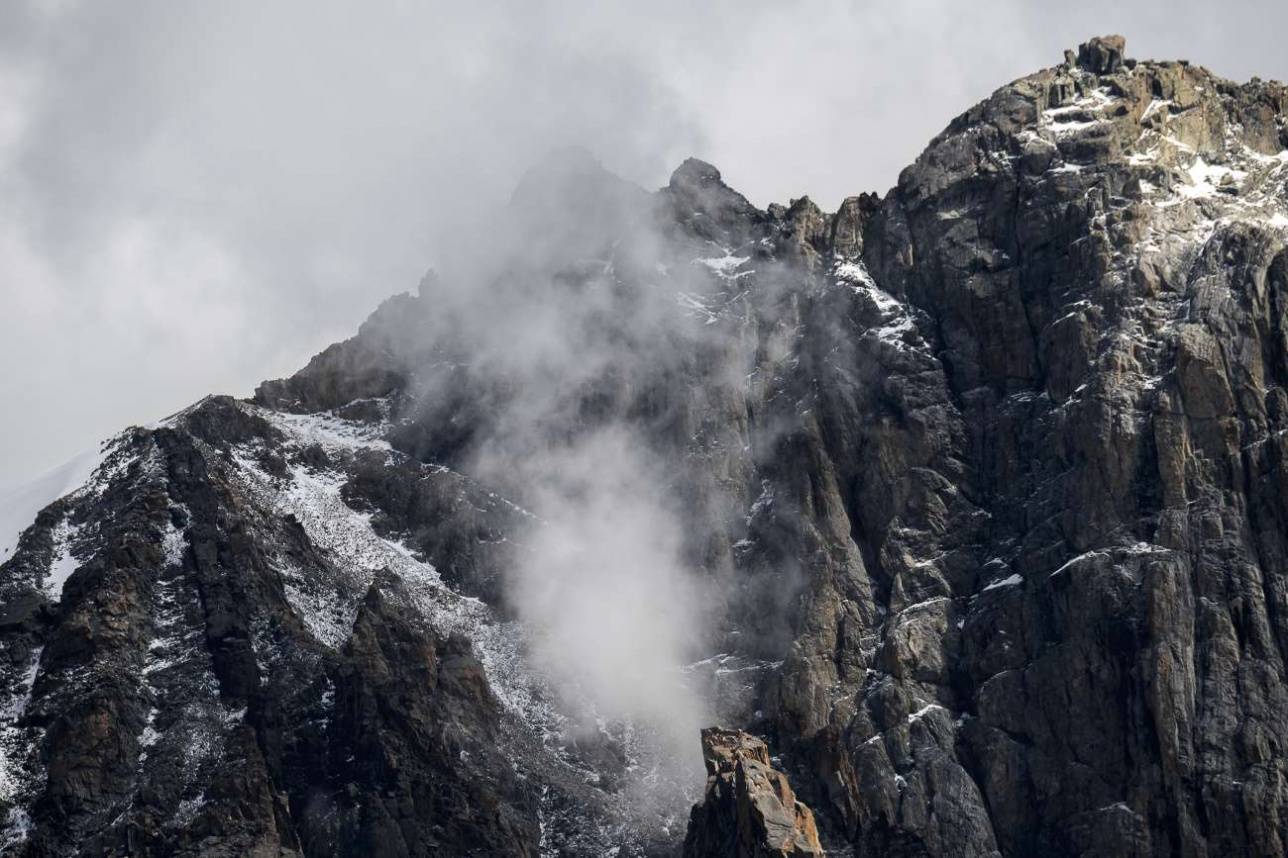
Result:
{"points": [[983, 483]]}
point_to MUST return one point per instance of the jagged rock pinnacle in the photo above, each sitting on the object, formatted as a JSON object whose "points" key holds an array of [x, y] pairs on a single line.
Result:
{"points": [[749, 809], [1102, 54]]}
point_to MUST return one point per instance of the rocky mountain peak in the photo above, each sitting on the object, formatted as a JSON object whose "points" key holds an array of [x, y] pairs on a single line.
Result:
{"points": [[1100, 54], [971, 496], [698, 200], [695, 173], [561, 170]]}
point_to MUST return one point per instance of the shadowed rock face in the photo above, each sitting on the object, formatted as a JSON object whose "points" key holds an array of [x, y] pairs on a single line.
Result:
{"points": [[984, 479], [749, 809]]}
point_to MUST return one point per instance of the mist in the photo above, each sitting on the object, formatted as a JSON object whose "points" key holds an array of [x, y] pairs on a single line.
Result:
{"points": [[195, 197], [558, 329], [613, 612]]}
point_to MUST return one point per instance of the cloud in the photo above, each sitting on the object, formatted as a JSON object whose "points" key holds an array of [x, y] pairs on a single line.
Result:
{"points": [[196, 196], [613, 611]]}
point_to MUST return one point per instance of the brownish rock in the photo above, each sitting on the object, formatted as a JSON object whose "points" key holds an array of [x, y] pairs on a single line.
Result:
{"points": [[749, 809]]}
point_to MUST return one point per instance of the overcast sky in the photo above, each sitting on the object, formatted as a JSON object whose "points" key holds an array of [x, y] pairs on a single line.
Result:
{"points": [[197, 196]]}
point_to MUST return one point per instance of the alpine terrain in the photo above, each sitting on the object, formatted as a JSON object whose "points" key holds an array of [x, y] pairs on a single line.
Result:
{"points": [[952, 523]]}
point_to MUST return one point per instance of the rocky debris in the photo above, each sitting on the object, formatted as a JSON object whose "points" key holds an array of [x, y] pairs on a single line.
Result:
{"points": [[749, 809]]}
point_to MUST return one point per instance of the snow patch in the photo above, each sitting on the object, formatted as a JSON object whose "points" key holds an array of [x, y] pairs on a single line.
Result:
{"points": [[64, 563], [919, 605], [174, 542], [725, 266], [327, 600], [896, 322], [14, 747], [1078, 115], [1206, 179], [1155, 105], [329, 431], [923, 712], [1009, 581], [1069, 564], [17, 705], [853, 273]]}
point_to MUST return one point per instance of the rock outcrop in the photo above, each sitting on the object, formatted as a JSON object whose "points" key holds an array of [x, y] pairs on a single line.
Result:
{"points": [[1102, 54], [749, 809], [984, 482]]}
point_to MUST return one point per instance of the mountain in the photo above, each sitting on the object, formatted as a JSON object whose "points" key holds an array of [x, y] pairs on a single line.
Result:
{"points": [[968, 504]]}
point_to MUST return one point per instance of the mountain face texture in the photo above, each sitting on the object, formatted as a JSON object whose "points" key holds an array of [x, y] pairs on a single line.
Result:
{"points": [[984, 484]]}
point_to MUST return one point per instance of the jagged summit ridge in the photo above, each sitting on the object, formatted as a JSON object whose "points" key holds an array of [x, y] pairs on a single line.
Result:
{"points": [[983, 479]]}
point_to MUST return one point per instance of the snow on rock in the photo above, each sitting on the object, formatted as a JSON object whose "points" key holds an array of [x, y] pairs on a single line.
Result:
{"points": [[1009, 581], [896, 322], [14, 743], [1081, 558], [856, 274], [174, 541], [330, 431], [1205, 179], [917, 606], [1078, 115], [187, 724], [17, 828], [64, 563], [327, 600], [726, 265], [1204, 191], [924, 711], [328, 608]]}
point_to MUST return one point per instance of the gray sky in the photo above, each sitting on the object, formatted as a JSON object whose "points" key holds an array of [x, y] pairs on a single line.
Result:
{"points": [[197, 196]]}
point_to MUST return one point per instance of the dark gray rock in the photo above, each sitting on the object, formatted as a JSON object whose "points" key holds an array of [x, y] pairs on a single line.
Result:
{"points": [[985, 479], [1102, 54]]}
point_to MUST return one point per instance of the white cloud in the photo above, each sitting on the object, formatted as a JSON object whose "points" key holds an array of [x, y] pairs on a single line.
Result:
{"points": [[287, 165]]}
